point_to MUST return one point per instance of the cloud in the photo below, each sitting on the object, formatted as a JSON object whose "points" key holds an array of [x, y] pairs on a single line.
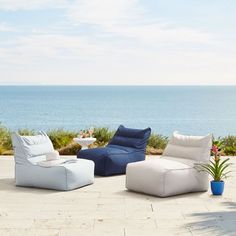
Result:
{"points": [[104, 12], [130, 20], [4, 27], [37, 48], [159, 35], [119, 18], [14, 5], [113, 42], [60, 59]]}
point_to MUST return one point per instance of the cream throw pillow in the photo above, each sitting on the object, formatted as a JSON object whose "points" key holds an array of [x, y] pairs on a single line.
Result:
{"points": [[54, 155], [190, 147]]}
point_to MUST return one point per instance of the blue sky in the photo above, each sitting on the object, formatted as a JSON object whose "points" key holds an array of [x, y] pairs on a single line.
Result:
{"points": [[136, 42]]}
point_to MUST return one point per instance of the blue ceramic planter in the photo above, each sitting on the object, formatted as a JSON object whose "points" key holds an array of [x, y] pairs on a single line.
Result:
{"points": [[217, 187]]}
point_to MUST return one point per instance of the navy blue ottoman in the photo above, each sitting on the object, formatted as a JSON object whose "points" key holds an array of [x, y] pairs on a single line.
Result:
{"points": [[127, 145]]}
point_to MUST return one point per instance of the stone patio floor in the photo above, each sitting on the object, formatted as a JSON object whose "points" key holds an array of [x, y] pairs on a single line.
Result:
{"points": [[107, 208]]}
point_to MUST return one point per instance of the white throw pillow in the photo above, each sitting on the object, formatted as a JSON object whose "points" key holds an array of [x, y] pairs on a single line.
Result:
{"points": [[190, 147], [52, 155]]}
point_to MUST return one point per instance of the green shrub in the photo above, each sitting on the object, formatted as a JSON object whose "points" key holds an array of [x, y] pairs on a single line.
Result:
{"points": [[5, 139], [103, 135], [26, 132], [70, 149], [61, 138], [157, 141], [230, 151], [229, 145], [229, 140]]}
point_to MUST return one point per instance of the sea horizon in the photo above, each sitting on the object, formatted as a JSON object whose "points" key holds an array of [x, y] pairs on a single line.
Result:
{"points": [[116, 85], [195, 110]]}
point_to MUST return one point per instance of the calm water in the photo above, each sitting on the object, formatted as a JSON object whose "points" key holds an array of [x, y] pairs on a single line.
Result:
{"points": [[192, 110]]}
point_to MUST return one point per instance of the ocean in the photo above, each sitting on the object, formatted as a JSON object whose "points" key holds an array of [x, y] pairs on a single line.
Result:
{"points": [[195, 110]]}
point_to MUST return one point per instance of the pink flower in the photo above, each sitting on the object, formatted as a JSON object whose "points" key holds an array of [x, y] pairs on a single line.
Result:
{"points": [[215, 149], [81, 133], [91, 132]]}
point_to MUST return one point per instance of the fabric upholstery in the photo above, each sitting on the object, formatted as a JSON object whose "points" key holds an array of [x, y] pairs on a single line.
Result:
{"points": [[30, 150], [134, 138], [162, 177], [173, 173], [52, 155], [26, 148], [189, 147], [127, 145]]}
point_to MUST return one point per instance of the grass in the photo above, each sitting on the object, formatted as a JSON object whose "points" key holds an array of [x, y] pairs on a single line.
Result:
{"points": [[63, 141]]}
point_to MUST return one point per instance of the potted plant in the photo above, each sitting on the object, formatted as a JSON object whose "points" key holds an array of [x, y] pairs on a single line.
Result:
{"points": [[217, 168]]}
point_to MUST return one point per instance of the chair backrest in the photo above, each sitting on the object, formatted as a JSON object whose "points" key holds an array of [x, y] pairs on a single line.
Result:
{"points": [[189, 147], [127, 137], [31, 148]]}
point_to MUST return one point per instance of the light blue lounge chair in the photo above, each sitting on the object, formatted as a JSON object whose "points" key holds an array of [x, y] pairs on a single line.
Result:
{"points": [[29, 151]]}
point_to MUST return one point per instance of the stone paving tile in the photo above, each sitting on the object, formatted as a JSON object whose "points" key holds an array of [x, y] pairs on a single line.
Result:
{"points": [[111, 207], [29, 232], [158, 232], [78, 232], [146, 224], [55, 223], [107, 208], [228, 225], [207, 230], [15, 223], [110, 200], [139, 215], [107, 214], [171, 224]]}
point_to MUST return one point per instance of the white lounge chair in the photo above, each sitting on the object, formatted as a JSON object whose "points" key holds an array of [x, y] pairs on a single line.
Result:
{"points": [[30, 153], [174, 172]]}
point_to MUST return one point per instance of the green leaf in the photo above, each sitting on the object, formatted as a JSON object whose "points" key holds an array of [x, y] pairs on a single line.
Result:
{"points": [[223, 162], [208, 170]]}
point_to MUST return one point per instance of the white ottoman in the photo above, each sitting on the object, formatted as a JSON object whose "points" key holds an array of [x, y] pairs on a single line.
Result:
{"points": [[174, 172], [165, 177]]}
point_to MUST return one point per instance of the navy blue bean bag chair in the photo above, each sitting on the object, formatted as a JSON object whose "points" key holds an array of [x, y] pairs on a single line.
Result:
{"points": [[127, 145]]}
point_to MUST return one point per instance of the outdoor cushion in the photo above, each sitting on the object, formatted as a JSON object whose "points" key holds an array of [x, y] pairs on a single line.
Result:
{"points": [[30, 151], [52, 156], [134, 138], [189, 147], [28, 148], [163, 177], [127, 145], [174, 172]]}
